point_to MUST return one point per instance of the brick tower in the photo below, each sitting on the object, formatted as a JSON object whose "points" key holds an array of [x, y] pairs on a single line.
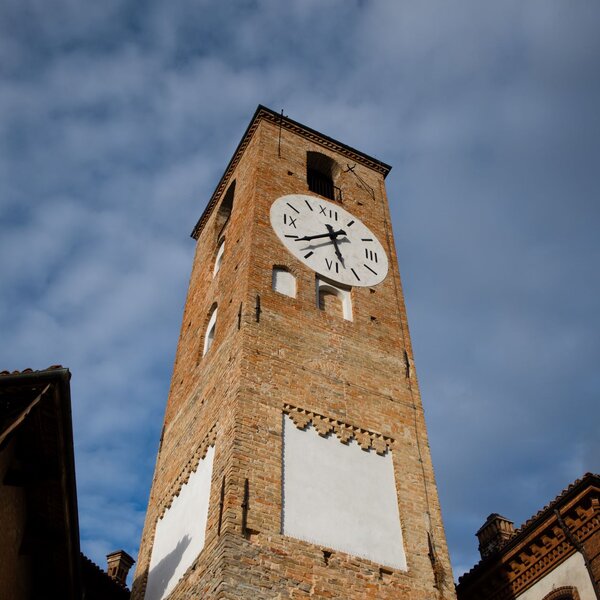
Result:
{"points": [[294, 461]]}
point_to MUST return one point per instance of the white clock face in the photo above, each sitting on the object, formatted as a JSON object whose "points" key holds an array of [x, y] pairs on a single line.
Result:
{"points": [[329, 240]]}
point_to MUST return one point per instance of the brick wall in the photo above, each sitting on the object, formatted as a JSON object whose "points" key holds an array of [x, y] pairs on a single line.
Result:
{"points": [[354, 372]]}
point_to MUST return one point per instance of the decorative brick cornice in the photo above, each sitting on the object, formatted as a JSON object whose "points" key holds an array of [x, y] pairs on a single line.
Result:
{"points": [[531, 562], [570, 488], [266, 114], [538, 547], [324, 141], [345, 432], [190, 467]]}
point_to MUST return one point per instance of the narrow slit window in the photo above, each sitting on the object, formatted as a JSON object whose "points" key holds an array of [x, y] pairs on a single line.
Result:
{"points": [[210, 331], [225, 208], [219, 258]]}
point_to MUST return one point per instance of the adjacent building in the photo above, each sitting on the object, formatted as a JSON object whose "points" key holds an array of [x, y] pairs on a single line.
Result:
{"points": [[555, 555], [39, 541]]}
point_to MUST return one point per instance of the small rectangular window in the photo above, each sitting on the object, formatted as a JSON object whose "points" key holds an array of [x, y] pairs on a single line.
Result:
{"points": [[334, 299], [284, 282]]}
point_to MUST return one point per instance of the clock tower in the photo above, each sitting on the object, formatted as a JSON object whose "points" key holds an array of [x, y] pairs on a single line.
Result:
{"points": [[293, 461]]}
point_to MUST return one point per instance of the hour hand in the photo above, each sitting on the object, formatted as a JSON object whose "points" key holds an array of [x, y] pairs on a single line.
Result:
{"points": [[333, 234]]}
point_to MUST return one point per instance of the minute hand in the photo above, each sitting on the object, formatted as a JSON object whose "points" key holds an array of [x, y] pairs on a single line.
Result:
{"points": [[332, 235]]}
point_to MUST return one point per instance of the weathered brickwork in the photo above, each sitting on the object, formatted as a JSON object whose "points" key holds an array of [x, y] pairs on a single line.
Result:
{"points": [[274, 354]]}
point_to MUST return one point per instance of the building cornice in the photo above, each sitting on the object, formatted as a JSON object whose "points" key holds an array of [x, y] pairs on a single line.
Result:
{"points": [[266, 114], [345, 432]]}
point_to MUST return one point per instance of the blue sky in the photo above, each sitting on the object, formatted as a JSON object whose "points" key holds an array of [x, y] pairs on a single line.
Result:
{"points": [[118, 118]]}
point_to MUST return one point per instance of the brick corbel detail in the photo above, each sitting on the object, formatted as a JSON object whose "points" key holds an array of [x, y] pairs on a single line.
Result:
{"points": [[562, 593], [345, 432], [190, 467], [526, 567]]}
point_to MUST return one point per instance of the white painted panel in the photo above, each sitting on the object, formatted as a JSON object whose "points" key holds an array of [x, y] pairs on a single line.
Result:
{"points": [[340, 496], [284, 282], [571, 572], [179, 536]]}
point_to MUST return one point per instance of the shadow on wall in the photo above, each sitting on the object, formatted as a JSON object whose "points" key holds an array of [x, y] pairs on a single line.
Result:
{"points": [[161, 574]]}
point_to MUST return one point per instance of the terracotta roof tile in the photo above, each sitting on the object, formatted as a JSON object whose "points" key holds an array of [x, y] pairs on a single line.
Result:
{"points": [[529, 522], [552, 503], [94, 577], [30, 370]]}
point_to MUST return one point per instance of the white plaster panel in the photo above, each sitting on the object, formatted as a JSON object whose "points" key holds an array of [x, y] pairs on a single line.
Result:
{"points": [[571, 572], [340, 496], [179, 535], [284, 282]]}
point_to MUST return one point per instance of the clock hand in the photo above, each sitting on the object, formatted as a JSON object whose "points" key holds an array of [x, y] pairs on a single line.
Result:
{"points": [[307, 238], [333, 235], [337, 251]]}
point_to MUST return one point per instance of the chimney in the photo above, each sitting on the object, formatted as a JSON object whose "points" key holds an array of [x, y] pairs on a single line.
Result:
{"points": [[493, 533], [119, 563]]}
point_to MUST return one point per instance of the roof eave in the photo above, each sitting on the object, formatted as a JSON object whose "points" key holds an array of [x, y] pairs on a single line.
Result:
{"points": [[59, 378], [479, 569], [262, 112]]}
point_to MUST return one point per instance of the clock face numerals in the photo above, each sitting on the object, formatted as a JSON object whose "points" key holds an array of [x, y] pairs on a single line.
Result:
{"points": [[329, 240]]}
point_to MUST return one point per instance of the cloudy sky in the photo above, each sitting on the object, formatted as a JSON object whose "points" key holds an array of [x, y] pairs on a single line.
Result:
{"points": [[117, 119]]}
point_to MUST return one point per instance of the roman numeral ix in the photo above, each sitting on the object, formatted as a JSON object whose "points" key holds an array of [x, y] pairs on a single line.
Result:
{"points": [[289, 220]]}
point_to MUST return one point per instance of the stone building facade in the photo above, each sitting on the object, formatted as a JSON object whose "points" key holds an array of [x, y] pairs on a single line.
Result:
{"points": [[294, 460]]}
